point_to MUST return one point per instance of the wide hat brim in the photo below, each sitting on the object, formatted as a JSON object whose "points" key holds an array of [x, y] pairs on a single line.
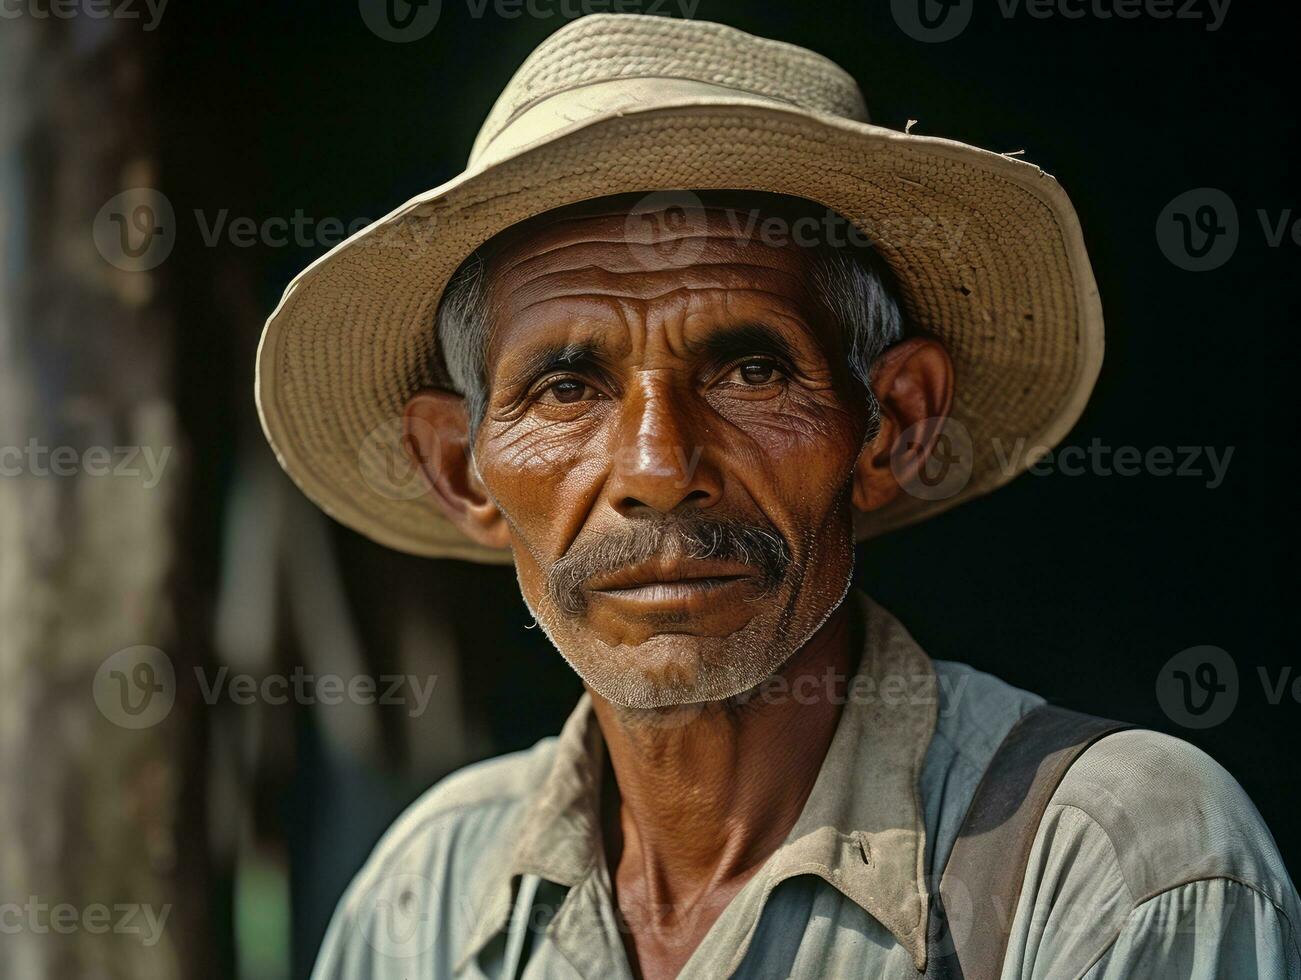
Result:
{"points": [[986, 250]]}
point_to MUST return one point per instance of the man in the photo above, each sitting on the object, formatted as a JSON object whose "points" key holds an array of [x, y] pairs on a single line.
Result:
{"points": [[628, 352]]}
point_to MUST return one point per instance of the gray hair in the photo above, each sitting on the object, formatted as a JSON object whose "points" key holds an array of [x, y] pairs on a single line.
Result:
{"points": [[853, 283]]}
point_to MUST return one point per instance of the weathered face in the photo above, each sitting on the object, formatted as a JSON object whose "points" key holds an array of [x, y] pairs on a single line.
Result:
{"points": [[671, 436]]}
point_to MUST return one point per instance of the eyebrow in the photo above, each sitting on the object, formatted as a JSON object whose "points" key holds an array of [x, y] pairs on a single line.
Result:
{"points": [[558, 357], [739, 340]]}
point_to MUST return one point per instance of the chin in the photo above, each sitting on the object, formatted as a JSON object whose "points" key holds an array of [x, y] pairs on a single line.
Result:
{"points": [[667, 669]]}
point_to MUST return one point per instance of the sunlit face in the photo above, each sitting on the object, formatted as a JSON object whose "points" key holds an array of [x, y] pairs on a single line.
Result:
{"points": [[670, 435]]}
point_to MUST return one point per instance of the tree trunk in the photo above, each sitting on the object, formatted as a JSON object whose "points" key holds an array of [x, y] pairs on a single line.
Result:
{"points": [[102, 867]]}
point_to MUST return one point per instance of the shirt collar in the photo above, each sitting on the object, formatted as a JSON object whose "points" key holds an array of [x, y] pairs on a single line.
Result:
{"points": [[862, 828]]}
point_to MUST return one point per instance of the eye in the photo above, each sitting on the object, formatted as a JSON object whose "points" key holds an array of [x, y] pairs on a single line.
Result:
{"points": [[755, 372], [567, 391]]}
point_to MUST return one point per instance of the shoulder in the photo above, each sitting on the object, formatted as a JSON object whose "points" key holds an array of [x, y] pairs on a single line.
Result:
{"points": [[431, 879], [1147, 844], [1171, 815], [1150, 860], [467, 813]]}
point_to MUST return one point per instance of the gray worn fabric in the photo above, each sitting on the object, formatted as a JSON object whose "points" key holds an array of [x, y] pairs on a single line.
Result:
{"points": [[1150, 861]]}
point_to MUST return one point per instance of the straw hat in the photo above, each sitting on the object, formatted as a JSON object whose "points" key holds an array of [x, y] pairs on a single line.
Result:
{"points": [[986, 249]]}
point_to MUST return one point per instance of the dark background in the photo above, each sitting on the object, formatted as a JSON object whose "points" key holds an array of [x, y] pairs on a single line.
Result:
{"points": [[1079, 588]]}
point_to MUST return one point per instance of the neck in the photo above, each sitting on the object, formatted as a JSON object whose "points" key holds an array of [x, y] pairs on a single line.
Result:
{"points": [[703, 794]]}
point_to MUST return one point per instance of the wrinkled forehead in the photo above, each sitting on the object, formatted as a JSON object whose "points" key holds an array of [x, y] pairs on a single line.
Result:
{"points": [[648, 247]]}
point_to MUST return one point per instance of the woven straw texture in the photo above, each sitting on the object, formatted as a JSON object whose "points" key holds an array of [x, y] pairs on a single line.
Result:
{"points": [[986, 249]]}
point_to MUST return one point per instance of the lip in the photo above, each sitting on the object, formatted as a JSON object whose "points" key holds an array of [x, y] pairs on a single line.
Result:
{"points": [[670, 575]]}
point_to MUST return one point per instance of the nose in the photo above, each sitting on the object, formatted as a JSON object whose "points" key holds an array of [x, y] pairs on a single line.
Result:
{"points": [[661, 460]]}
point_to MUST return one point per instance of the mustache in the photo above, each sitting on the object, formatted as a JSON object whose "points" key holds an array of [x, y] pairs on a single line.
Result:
{"points": [[692, 536]]}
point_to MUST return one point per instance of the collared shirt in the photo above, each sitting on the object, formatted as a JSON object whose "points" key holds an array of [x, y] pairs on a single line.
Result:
{"points": [[1150, 860]]}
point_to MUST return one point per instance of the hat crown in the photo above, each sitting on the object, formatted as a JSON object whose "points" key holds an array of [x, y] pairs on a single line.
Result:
{"points": [[603, 48]]}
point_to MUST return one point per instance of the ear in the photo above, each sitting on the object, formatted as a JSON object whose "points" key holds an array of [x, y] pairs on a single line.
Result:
{"points": [[913, 383], [436, 434]]}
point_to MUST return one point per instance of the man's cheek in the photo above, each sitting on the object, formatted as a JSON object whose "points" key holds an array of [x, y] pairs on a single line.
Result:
{"points": [[536, 452], [545, 501], [531, 576], [816, 440], [524, 470], [808, 478]]}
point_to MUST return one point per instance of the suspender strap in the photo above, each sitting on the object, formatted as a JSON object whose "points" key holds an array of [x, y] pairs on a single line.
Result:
{"points": [[982, 880]]}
